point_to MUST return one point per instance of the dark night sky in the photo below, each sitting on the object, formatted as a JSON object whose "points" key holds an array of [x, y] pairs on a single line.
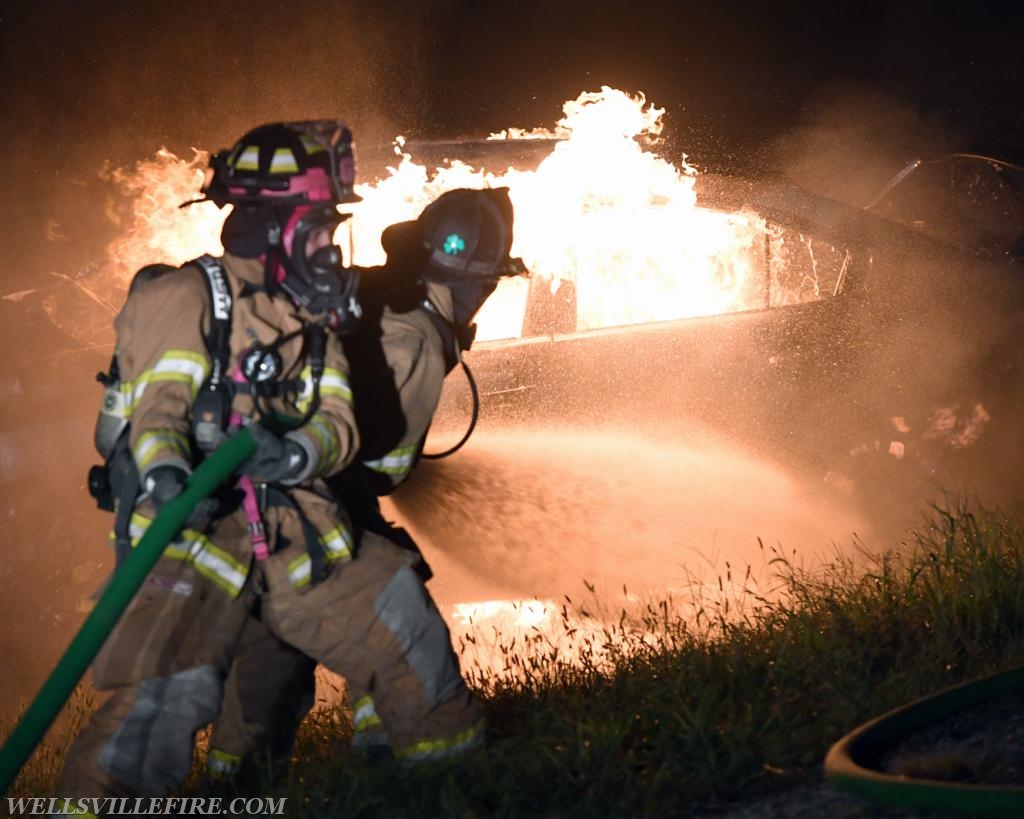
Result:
{"points": [[84, 83]]}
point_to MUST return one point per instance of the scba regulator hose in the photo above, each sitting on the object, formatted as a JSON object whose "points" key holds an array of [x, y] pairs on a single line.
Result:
{"points": [[848, 763], [112, 603]]}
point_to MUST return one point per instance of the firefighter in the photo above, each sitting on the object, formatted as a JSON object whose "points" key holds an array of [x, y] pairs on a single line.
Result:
{"points": [[241, 340], [418, 312]]}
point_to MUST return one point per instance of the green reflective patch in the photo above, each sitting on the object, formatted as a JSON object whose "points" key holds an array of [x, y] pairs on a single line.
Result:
{"points": [[454, 244]]}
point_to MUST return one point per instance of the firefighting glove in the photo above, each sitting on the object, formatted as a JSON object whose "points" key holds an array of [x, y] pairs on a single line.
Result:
{"points": [[276, 459], [164, 483]]}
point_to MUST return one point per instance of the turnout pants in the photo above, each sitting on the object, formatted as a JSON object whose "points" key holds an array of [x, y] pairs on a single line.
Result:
{"points": [[271, 686], [371, 621], [269, 690]]}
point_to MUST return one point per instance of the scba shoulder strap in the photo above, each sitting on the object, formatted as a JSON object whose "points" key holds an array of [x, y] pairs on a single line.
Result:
{"points": [[220, 304], [115, 485], [209, 419], [212, 410], [450, 345]]}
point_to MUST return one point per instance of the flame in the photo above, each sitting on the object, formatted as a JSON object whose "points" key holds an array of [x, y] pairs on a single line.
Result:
{"points": [[160, 230], [517, 638], [601, 214]]}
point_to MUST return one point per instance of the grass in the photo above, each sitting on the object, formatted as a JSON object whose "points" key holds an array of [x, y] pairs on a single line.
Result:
{"points": [[678, 704]]}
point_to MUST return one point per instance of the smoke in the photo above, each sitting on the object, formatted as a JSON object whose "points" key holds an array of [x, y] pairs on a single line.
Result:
{"points": [[850, 139], [943, 298]]}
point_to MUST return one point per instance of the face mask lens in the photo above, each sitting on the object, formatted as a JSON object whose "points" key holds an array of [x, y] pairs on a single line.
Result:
{"points": [[326, 260]]}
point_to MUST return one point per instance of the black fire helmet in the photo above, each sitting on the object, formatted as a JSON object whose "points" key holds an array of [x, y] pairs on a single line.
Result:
{"points": [[468, 236]]}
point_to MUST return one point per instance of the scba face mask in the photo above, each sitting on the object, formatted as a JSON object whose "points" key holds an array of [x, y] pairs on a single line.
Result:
{"points": [[318, 281]]}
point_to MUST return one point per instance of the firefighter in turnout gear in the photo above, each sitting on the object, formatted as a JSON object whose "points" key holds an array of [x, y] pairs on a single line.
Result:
{"points": [[411, 335], [245, 340]]}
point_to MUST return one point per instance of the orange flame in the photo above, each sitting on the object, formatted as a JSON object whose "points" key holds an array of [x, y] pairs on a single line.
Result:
{"points": [[161, 230], [600, 212]]}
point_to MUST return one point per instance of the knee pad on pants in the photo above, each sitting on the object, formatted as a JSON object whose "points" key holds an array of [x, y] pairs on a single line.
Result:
{"points": [[410, 615], [151, 751]]}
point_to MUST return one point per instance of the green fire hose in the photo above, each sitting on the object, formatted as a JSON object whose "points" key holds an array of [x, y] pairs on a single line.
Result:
{"points": [[848, 763], [112, 603]]}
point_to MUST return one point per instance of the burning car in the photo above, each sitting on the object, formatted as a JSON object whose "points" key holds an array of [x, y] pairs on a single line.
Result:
{"points": [[835, 341]]}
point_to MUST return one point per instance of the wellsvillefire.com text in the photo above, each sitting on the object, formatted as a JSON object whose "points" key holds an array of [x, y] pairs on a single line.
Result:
{"points": [[167, 806]]}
